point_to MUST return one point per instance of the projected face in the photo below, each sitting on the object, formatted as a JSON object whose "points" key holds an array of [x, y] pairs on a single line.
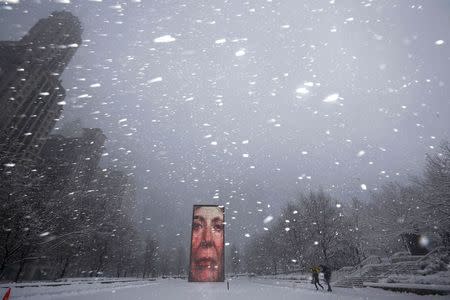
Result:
{"points": [[207, 244]]}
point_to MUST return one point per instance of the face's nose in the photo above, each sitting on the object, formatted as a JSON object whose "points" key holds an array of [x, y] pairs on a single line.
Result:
{"points": [[207, 237]]}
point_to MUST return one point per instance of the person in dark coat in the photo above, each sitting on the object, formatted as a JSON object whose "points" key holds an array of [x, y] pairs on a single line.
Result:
{"points": [[326, 275], [315, 277]]}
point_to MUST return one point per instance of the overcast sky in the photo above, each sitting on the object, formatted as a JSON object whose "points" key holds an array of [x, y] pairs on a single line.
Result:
{"points": [[249, 103]]}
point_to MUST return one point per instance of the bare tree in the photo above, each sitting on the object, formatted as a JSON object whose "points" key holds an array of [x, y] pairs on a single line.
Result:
{"points": [[436, 190]]}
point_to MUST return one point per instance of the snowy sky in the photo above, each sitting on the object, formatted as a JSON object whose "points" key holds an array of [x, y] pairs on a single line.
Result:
{"points": [[248, 103]]}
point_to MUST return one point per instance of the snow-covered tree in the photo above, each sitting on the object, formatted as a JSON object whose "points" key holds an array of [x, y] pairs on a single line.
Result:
{"points": [[435, 203]]}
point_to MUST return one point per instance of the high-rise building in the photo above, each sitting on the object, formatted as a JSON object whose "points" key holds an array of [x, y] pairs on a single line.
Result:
{"points": [[116, 192], [31, 94], [73, 161]]}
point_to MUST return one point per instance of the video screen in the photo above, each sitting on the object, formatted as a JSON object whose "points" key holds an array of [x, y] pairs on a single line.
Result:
{"points": [[207, 244]]}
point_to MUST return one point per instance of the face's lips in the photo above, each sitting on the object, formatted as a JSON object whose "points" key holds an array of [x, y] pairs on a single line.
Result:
{"points": [[205, 263]]}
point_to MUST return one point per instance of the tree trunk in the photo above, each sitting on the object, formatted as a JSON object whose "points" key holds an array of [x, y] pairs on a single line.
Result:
{"points": [[101, 257], [325, 255], [411, 241], [21, 265], [118, 270], [5, 255], [445, 237], [66, 264]]}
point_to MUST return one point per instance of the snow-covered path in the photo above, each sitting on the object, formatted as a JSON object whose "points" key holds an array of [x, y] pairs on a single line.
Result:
{"points": [[180, 289]]}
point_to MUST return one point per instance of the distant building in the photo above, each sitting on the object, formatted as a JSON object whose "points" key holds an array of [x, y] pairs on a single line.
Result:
{"points": [[73, 162], [31, 94], [116, 192]]}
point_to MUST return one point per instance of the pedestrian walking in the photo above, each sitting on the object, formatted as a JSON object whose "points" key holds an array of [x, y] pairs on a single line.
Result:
{"points": [[326, 275], [315, 277]]}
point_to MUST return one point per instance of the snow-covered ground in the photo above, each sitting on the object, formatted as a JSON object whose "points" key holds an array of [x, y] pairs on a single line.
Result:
{"points": [[242, 288]]}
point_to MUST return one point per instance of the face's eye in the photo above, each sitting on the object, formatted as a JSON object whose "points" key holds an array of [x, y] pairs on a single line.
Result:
{"points": [[218, 227], [197, 226]]}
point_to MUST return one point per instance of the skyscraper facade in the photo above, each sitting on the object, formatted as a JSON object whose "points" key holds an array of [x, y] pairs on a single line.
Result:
{"points": [[73, 161], [31, 94]]}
